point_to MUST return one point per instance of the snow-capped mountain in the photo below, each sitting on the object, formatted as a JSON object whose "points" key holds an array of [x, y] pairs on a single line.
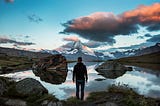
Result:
{"points": [[136, 52], [120, 54], [75, 49], [148, 50]]}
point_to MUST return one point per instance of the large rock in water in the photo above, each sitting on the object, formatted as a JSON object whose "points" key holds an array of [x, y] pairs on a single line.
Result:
{"points": [[30, 86], [112, 70], [52, 69]]}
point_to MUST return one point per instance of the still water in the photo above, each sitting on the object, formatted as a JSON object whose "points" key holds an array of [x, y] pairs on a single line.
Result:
{"points": [[143, 81]]}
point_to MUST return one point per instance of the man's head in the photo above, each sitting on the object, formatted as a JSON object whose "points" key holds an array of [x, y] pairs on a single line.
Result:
{"points": [[79, 59]]}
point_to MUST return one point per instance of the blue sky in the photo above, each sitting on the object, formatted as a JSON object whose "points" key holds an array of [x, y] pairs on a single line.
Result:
{"points": [[39, 21]]}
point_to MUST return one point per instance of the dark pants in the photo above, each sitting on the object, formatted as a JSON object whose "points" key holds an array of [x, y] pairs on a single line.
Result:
{"points": [[82, 84]]}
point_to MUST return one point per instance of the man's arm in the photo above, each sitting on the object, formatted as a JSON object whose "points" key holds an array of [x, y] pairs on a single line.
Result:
{"points": [[86, 75], [73, 74]]}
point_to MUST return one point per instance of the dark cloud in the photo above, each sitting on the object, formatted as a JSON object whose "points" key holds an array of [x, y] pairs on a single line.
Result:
{"points": [[7, 40], [148, 35], [34, 18], [93, 44], [104, 26], [9, 1], [155, 38], [154, 27]]}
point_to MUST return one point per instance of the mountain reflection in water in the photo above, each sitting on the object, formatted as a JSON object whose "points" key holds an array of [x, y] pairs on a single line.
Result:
{"points": [[142, 80]]}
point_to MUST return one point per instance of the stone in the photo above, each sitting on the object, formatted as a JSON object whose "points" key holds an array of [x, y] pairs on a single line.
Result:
{"points": [[30, 86], [110, 104], [52, 69], [112, 70], [100, 79], [44, 103], [15, 102], [51, 103], [59, 104]]}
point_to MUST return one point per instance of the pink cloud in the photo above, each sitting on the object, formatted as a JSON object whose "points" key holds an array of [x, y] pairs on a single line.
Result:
{"points": [[71, 38]]}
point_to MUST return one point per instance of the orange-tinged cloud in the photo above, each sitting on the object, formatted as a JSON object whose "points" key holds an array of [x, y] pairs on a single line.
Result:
{"points": [[104, 26], [144, 13], [71, 38]]}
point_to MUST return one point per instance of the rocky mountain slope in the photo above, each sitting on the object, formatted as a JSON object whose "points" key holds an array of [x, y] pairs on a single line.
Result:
{"points": [[148, 50]]}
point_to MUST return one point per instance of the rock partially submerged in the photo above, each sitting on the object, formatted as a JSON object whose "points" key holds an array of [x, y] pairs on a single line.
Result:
{"points": [[111, 69], [52, 69]]}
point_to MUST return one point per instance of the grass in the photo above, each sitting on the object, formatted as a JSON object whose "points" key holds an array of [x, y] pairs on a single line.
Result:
{"points": [[15, 63], [73, 100], [35, 100], [153, 58], [121, 95]]}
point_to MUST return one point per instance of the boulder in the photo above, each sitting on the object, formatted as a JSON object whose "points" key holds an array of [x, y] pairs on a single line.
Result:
{"points": [[52, 69], [51, 103], [112, 70], [15, 102], [29, 86]]}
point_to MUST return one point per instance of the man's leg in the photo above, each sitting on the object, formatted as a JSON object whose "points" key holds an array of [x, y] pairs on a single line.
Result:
{"points": [[77, 89], [82, 89]]}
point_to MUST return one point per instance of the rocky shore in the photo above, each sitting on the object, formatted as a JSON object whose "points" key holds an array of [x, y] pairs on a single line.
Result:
{"points": [[30, 92]]}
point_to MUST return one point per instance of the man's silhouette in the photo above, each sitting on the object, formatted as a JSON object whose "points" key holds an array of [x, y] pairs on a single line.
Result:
{"points": [[80, 74]]}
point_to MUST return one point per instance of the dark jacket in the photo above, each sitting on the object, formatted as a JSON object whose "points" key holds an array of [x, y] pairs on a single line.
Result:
{"points": [[80, 72]]}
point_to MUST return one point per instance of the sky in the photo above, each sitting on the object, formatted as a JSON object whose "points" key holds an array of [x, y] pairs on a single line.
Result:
{"points": [[99, 24]]}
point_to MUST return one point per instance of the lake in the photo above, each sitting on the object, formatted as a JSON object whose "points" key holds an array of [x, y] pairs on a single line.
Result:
{"points": [[143, 81]]}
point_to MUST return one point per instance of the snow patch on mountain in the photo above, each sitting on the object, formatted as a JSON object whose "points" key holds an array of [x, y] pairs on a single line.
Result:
{"points": [[109, 54]]}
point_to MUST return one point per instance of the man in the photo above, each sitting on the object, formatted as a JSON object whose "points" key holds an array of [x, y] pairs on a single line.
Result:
{"points": [[80, 74]]}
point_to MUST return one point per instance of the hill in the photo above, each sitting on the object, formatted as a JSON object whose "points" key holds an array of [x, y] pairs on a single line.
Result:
{"points": [[153, 58], [12, 60], [150, 61], [22, 53]]}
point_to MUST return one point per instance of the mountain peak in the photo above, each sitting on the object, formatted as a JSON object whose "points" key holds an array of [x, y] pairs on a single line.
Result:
{"points": [[77, 45]]}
